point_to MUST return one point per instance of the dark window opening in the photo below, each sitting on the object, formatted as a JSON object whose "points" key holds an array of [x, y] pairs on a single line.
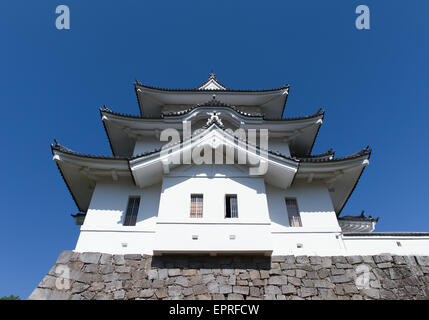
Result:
{"points": [[231, 210], [132, 211], [293, 212]]}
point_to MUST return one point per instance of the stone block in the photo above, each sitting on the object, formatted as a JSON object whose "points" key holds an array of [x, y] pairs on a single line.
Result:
{"points": [[147, 293], [240, 289], [278, 280], [254, 291], [200, 289], [161, 293], [119, 295], [106, 258], [235, 296], [305, 292], [65, 257], [132, 256], [182, 281], [272, 290], [225, 289], [90, 257], [118, 259], [288, 289], [174, 272], [323, 284]]}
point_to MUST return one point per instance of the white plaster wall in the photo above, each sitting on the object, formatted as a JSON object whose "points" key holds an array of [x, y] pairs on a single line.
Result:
{"points": [[262, 225], [103, 228], [307, 243], [251, 228], [214, 182], [116, 242], [213, 237], [314, 203], [386, 244], [320, 229]]}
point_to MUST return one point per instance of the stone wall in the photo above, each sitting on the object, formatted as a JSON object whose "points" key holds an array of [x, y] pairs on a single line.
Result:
{"points": [[88, 276]]}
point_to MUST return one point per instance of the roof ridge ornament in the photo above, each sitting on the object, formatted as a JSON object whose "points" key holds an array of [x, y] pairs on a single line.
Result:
{"points": [[214, 119], [212, 84]]}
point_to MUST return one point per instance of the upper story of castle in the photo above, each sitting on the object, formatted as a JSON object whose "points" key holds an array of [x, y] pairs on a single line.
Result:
{"points": [[160, 109]]}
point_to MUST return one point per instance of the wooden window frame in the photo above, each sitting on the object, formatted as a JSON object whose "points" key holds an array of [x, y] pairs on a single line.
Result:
{"points": [[197, 211]]}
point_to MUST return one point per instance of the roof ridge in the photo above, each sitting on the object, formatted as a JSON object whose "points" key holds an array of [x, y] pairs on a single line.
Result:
{"points": [[363, 152], [212, 76], [217, 103], [358, 154], [64, 149], [330, 152], [138, 83]]}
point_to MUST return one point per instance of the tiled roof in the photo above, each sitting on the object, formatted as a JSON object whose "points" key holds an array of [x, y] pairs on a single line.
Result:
{"points": [[328, 154], [364, 152], [387, 234], [211, 103], [361, 217], [139, 84], [214, 103], [212, 76], [63, 149], [314, 159]]}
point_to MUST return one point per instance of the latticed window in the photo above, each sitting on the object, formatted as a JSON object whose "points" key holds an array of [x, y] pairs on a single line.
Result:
{"points": [[132, 211], [196, 206], [293, 212], [231, 208]]}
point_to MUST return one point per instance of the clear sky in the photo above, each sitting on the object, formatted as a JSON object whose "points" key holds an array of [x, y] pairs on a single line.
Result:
{"points": [[372, 84]]}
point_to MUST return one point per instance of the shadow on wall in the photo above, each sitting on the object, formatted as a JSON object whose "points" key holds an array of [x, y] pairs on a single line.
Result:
{"points": [[110, 201], [212, 262], [310, 199], [149, 204]]}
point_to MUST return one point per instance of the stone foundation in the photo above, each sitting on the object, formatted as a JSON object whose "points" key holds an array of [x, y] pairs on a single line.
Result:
{"points": [[87, 276]]}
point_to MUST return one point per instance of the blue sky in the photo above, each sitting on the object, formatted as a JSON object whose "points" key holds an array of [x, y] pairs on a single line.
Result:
{"points": [[372, 85]]}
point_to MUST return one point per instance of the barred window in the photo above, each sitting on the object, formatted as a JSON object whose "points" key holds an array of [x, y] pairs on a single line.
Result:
{"points": [[132, 211], [196, 206], [231, 209], [293, 212]]}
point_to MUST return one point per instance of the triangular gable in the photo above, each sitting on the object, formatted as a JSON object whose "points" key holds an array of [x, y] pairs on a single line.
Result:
{"points": [[151, 169], [212, 84]]}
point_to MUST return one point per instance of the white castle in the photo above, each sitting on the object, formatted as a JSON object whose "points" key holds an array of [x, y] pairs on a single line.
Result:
{"points": [[235, 178]]}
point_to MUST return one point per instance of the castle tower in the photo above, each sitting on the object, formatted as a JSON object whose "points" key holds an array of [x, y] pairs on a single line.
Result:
{"points": [[212, 170]]}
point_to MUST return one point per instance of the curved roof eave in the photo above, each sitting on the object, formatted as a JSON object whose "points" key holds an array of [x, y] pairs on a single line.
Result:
{"points": [[59, 148], [317, 115], [196, 90], [195, 140], [354, 187], [324, 158], [65, 159]]}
